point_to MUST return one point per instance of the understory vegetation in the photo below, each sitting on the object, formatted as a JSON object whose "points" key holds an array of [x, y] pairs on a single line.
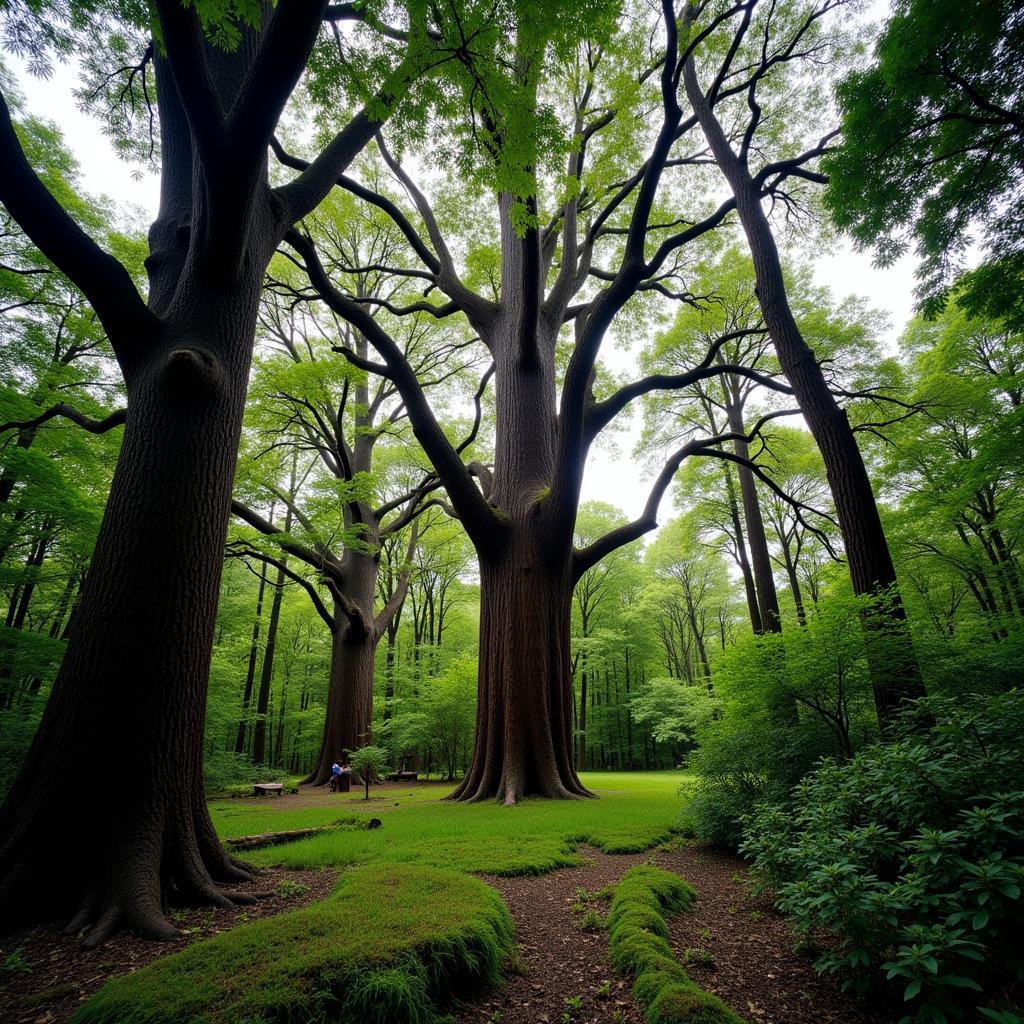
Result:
{"points": [[910, 857]]}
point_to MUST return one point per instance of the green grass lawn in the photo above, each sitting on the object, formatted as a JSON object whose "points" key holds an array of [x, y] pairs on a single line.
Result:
{"points": [[634, 812]]}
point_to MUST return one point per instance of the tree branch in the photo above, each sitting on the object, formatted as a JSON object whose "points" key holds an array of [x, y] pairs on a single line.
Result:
{"points": [[102, 278], [115, 419]]}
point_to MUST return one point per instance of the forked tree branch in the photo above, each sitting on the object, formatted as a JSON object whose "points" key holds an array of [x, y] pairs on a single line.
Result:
{"points": [[587, 557]]}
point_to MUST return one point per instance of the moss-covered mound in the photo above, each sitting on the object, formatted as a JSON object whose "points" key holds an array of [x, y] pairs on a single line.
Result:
{"points": [[639, 946], [391, 945]]}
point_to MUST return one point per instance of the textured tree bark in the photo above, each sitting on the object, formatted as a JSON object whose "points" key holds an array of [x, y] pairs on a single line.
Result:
{"points": [[129, 699], [128, 704], [259, 727], [524, 714], [348, 722], [523, 744], [871, 567]]}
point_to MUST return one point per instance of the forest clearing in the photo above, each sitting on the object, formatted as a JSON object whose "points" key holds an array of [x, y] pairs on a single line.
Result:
{"points": [[511, 511]]}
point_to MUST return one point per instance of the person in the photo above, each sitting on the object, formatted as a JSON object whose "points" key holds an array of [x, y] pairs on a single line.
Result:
{"points": [[345, 779], [335, 776]]}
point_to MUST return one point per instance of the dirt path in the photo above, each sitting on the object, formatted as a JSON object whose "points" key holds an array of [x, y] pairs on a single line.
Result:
{"points": [[740, 949], [753, 967], [559, 961]]}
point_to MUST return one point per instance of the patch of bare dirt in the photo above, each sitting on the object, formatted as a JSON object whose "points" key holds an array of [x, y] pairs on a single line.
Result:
{"points": [[560, 963], [732, 944], [750, 962], [45, 975]]}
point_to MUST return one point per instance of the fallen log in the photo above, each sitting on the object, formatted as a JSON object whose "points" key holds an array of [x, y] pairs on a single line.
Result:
{"points": [[273, 838]]}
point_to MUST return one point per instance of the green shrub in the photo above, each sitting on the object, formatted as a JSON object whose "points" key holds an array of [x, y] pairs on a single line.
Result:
{"points": [[739, 767], [224, 770], [638, 936], [912, 856], [389, 946]]}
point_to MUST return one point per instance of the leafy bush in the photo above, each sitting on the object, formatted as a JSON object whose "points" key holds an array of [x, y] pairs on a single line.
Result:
{"points": [[912, 856], [739, 767], [224, 770]]}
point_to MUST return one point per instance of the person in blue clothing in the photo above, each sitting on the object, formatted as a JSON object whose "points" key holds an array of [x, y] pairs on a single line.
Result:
{"points": [[335, 776]]}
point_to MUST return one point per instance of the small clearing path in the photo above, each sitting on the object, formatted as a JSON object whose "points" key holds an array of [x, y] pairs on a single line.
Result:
{"points": [[754, 969], [739, 947], [560, 961]]}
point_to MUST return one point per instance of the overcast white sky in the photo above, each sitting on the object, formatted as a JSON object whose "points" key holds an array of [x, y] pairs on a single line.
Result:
{"points": [[611, 478]]}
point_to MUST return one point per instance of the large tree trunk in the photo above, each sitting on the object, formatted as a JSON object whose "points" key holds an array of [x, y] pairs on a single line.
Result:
{"points": [[348, 723], [523, 741], [129, 701]]}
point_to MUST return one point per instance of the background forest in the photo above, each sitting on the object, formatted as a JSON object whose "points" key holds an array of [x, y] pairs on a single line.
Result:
{"points": [[820, 608]]}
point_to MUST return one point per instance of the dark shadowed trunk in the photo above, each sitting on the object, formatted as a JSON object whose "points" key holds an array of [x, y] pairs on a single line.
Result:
{"points": [[259, 727], [129, 699], [250, 674], [128, 704], [764, 579], [524, 721], [742, 560], [348, 722]]}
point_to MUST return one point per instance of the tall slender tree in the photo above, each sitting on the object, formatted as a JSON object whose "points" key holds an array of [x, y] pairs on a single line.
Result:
{"points": [[790, 32]]}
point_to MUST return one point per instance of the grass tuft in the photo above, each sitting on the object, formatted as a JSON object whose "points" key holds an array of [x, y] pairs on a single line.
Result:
{"points": [[393, 944], [638, 936]]}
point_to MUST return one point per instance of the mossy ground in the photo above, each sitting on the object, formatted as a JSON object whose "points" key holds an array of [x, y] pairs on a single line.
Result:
{"points": [[391, 945], [406, 925], [639, 946]]}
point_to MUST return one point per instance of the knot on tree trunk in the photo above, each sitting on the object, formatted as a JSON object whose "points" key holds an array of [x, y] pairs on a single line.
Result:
{"points": [[192, 374]]}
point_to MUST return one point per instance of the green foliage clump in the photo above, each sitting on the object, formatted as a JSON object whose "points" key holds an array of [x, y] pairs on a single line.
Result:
{"points": [[912, 855], [639, 945], [391, 945], [224, 770], [739, 767], [371, 763]]}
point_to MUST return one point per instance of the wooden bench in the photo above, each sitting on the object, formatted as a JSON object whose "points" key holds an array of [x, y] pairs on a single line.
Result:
{"points": [[403, 776], [263, 788]]}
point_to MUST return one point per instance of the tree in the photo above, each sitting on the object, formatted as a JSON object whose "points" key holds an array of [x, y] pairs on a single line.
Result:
{"points": [[792, 31], [147, 609], [370, 762], [558, 209], [371, 490], [933, 149], [593, 592]]}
